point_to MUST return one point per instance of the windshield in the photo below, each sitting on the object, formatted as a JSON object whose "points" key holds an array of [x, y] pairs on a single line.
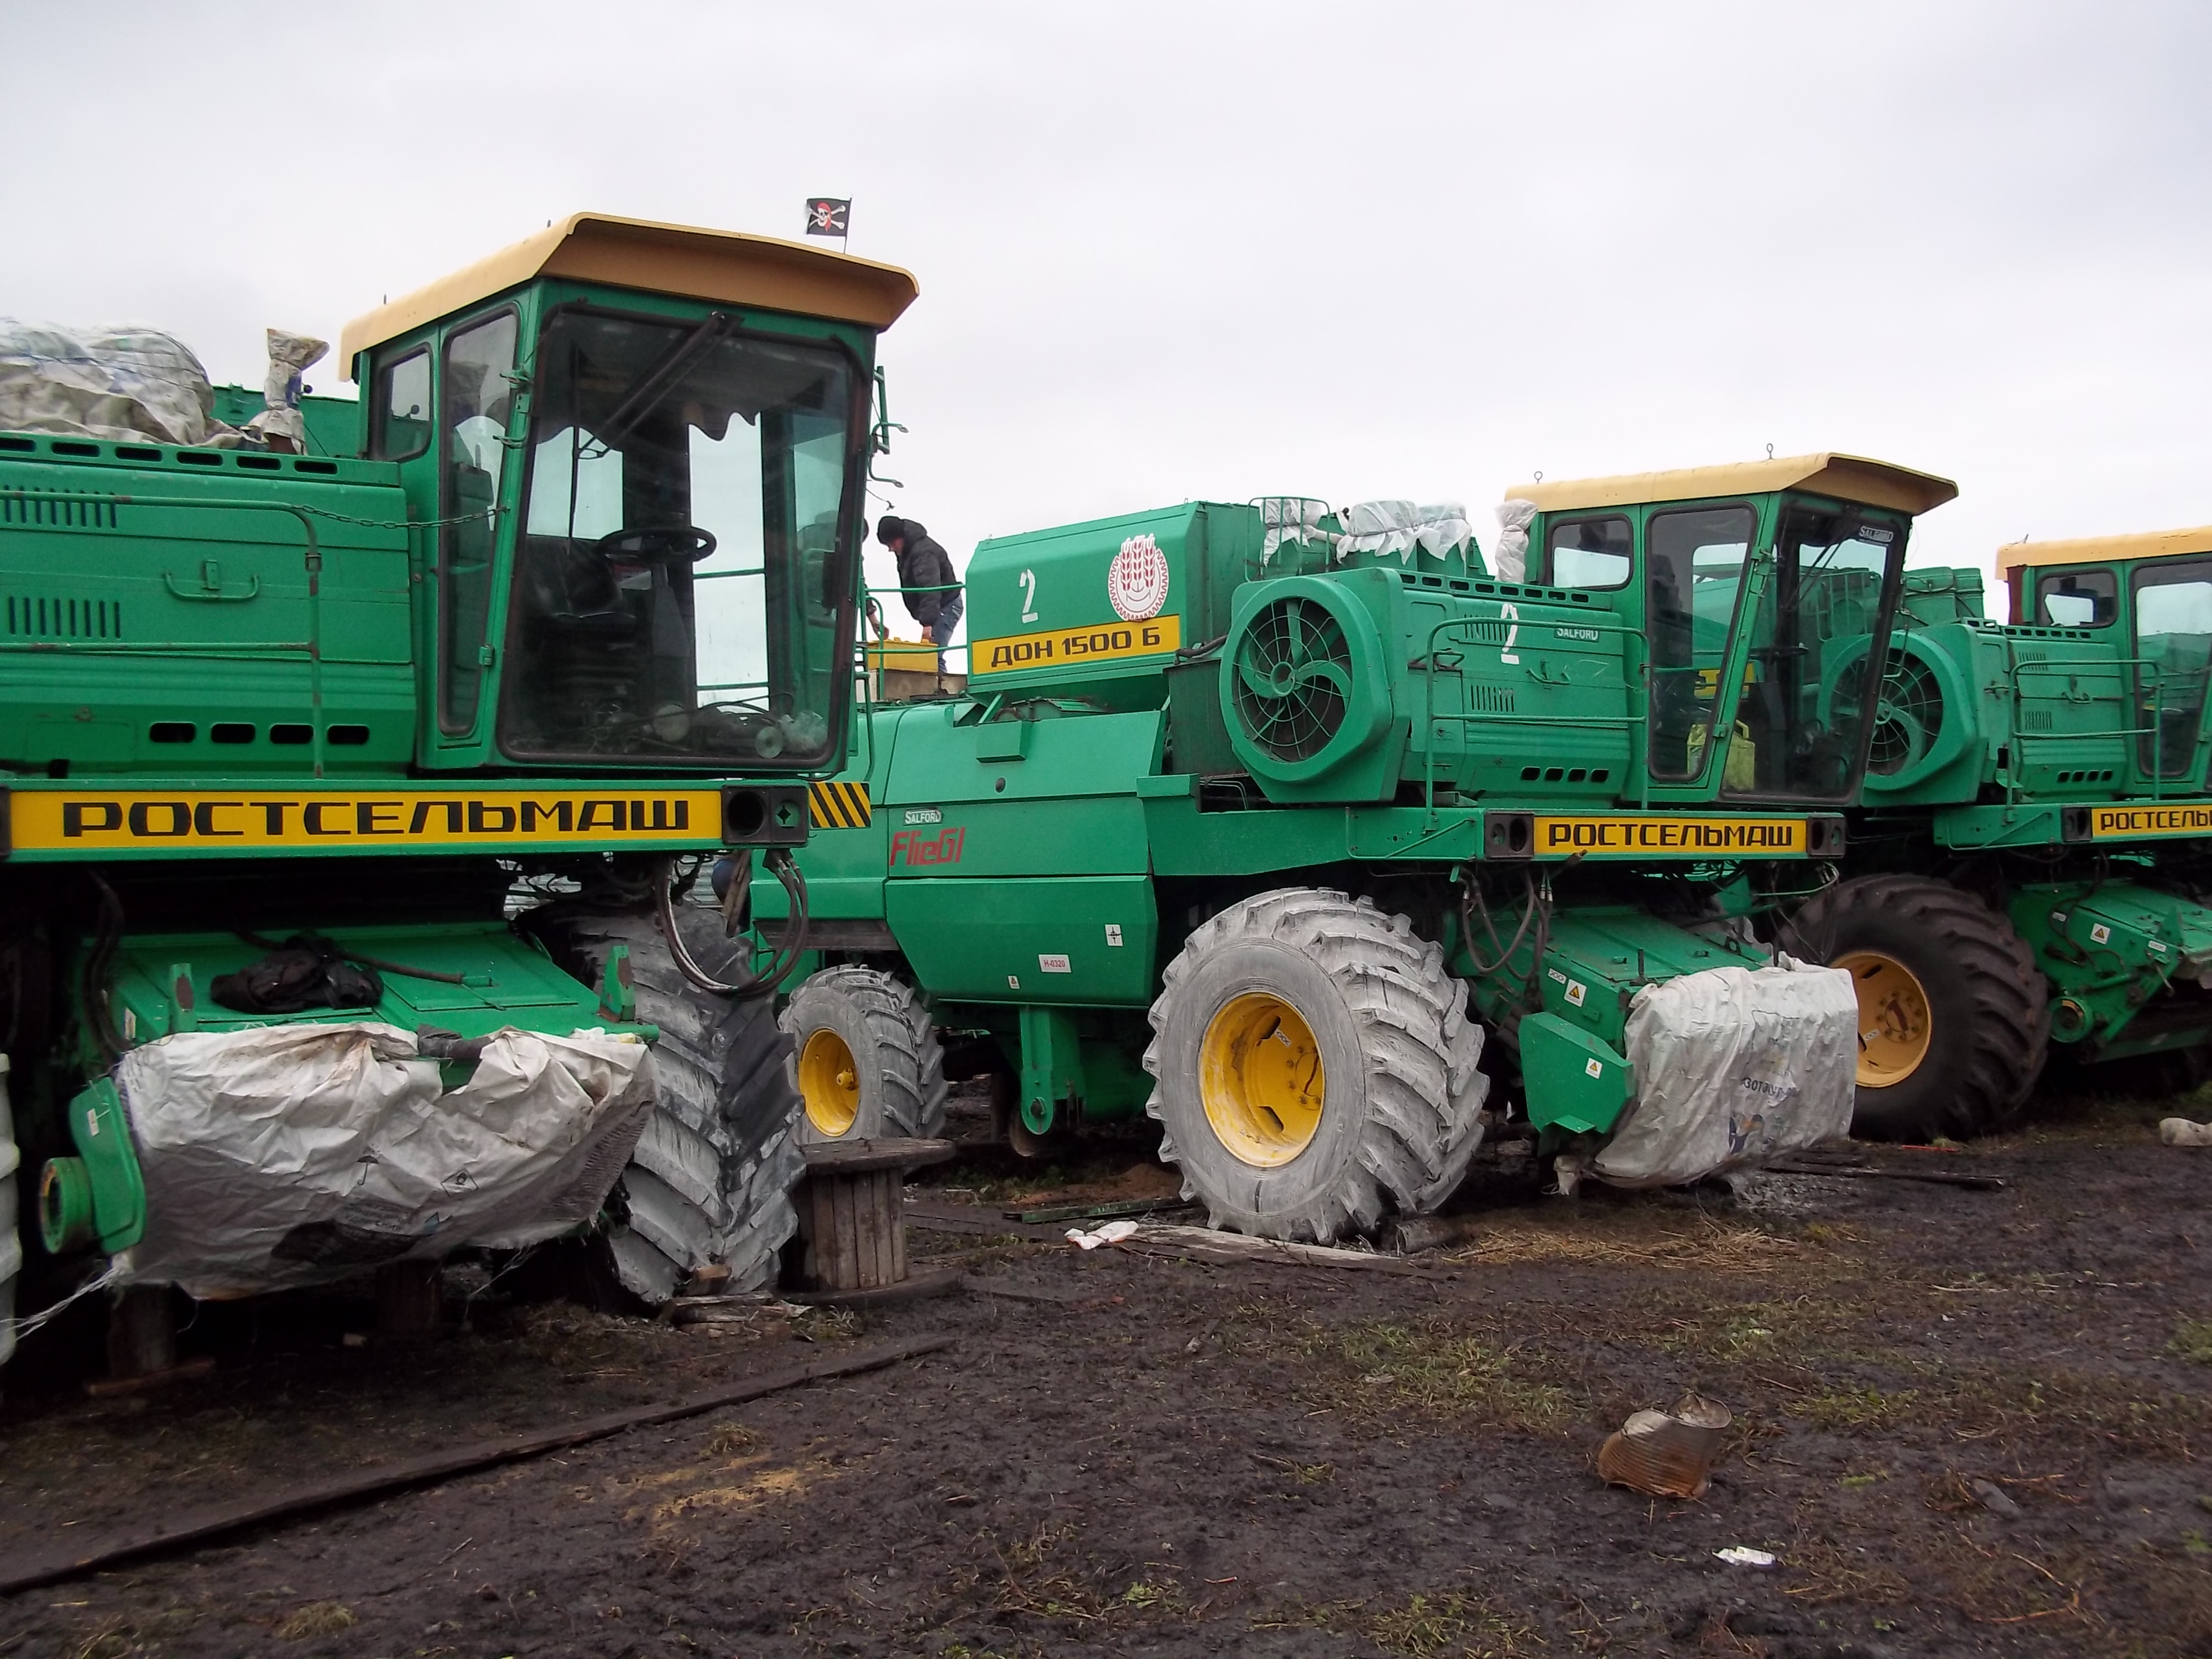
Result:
{"points": [[2173, 648], [677, 593], [1825, 615]]}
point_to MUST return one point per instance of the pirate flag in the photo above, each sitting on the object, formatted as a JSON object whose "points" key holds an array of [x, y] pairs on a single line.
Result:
{"points": [[826, 216]]}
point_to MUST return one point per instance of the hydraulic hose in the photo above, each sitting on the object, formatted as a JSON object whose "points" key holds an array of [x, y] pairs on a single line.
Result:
{"points": [[783, 958]]}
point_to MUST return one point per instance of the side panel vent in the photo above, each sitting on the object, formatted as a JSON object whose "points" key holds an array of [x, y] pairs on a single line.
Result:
{"points": [[2035, 719], [1490, 699], [57, 512], [44, 617]]}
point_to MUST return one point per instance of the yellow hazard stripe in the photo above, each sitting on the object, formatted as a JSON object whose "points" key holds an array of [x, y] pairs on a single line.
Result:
{"points": [[839, 805]]}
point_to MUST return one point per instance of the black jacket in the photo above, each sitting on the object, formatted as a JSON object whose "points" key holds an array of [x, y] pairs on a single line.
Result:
{"points": [[923, 564]]}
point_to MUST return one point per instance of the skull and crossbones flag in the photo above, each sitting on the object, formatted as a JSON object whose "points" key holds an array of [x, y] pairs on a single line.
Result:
{"points": [[827, 216]]}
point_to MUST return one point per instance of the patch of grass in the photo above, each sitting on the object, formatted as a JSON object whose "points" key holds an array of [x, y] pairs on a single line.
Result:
{"points": [[1427, 1626], [1429, 1369], [730, 1440], [1144, 1597], [316, 1618], [115, 1638], [1712, 1247], [1849, 1410], [2193, 1340], [2015, 1404]]}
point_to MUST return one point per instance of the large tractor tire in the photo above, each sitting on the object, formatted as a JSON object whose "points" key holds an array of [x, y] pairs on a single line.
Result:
{"points": [[1314, 1068], [865, 1057], [1955, 1018], [712, 1177]]}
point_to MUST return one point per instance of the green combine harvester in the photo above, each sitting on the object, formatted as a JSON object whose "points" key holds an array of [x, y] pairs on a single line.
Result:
{"points": [[2033, 828], [348, 801], [1297, 828]]}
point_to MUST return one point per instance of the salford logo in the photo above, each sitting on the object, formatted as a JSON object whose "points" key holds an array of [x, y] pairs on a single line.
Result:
{"points": [[1137, 581]]}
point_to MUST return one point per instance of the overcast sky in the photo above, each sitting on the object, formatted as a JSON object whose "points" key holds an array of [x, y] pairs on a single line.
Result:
{"points": [[1218, 251]]}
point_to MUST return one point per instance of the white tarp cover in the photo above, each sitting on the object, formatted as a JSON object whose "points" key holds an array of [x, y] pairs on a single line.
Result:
{"points": [[1293, 519], [288, 1155], [11, 1249], [1388, 527], [1732, 1066], [1510, 556], [290, 357], [122, 382]]}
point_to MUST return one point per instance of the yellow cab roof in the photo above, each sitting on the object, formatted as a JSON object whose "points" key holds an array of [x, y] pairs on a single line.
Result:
{"points": [[1844, 477], [705, 265], [2095, 549]]}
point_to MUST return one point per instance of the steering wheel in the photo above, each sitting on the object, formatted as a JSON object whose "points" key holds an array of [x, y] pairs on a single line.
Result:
{"points": [[657, 543]]}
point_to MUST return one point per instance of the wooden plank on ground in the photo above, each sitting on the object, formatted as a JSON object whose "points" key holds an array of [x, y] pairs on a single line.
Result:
{"points": [[175, 1531]]}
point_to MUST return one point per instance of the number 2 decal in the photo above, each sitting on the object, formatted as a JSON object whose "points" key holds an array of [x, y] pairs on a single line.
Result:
{"points": [[1029, 596], [1510, 612]]}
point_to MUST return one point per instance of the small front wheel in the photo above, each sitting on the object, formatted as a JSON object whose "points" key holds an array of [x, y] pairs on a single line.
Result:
{"points": [[866, 1060]]}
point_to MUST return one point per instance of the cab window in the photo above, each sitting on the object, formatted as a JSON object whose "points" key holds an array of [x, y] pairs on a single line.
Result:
{"points": [[1694, 563], [479, 395], [2076, 599], [1589, 553], [400, 407], [2173, 662]]}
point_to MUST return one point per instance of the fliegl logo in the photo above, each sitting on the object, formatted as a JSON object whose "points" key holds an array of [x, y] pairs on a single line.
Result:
{"points": [[913, 849]]}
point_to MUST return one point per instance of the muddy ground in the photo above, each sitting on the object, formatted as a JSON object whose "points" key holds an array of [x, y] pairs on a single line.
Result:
{"points": [[1966, 1422]]}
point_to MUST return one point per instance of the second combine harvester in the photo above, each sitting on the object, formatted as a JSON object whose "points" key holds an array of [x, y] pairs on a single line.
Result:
{"points": [[1262, 818]]}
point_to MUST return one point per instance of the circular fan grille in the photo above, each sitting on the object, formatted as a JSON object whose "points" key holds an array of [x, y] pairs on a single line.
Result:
{"points": [[1293, 670], [1907, 719]]}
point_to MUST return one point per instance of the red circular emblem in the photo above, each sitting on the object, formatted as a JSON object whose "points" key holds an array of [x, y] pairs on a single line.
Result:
{"points": [[1137, 581]]}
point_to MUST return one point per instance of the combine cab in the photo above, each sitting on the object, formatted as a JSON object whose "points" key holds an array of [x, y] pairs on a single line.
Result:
{"points": [[347, 799], [1308, 834]]}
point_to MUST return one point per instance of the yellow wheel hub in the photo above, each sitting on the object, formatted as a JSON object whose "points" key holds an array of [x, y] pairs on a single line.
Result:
{"points": [[1894, 1026], [1260, 1078], [830, 1083]]}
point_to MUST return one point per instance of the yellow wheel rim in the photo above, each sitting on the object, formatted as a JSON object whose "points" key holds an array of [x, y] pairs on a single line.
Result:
{"points": [[830, 1083], [1260, 1078], [1894, 1027]]}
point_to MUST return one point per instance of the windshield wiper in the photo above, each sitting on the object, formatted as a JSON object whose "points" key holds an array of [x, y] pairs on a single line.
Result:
{"points": [[657, 380]]}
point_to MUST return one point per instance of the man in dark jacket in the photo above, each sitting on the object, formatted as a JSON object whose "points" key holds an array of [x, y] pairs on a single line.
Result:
{"points": [[926, 582]]}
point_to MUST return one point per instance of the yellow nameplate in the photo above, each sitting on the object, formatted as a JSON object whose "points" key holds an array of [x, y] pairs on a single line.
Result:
{"points": [[1104, 642], [1655, 832], [231, 820], [2107, 823]]}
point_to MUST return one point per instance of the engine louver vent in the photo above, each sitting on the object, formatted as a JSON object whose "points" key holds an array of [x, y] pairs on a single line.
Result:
{"points": [[1294, 673]]}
